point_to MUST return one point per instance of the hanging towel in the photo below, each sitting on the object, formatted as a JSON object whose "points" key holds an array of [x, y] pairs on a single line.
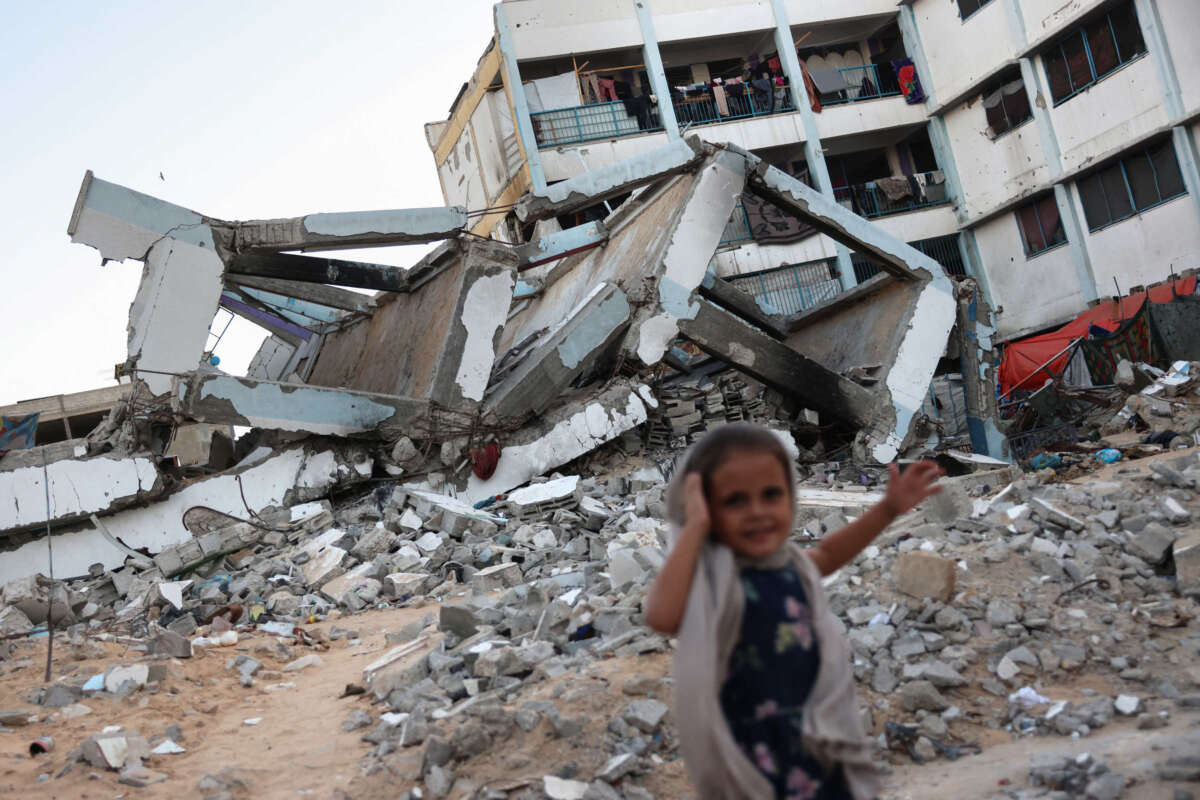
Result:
{"points": [[910, 84], [894, 188], [608, 91]]}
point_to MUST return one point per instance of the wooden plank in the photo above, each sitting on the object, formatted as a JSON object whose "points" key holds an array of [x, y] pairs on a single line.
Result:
{"points": [[478, 87]]}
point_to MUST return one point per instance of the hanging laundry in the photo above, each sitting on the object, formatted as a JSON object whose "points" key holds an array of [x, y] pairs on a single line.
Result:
{"points": [[894, 188], [771, 225], [773, 65], [810, 87], [910, 84], [591, 88], [608, 90]]}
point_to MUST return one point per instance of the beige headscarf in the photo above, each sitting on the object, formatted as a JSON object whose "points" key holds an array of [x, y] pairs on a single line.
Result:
{"points": [[832, 729]]}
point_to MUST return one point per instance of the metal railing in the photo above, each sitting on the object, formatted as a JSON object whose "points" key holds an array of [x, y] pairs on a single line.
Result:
{"points": [[563, 126], [737, 229], [868, 200], [942, 249], [584, 123], [793, 288], [867, 82]]}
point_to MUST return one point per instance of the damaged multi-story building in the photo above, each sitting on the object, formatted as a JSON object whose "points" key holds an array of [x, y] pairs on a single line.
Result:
{"points": [[1045, 149]]}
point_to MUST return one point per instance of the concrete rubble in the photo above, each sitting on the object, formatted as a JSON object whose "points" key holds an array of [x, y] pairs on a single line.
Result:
{"points": [[502, 473]]}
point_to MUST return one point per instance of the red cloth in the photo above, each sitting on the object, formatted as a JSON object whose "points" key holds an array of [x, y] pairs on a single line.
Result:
{"points": [[1024, 358], [484, 460]]}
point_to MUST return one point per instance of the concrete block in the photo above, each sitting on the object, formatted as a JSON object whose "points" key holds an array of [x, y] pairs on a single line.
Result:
{"points": [[403, 584], [925, 575], [501, 576], [1187, 563], [1152, 544], [324, 567]]}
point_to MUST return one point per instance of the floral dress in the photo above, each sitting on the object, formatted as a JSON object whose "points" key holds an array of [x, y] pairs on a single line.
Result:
{"points": [[771, 672]]}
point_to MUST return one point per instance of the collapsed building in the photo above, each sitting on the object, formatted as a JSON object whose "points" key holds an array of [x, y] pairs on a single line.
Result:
{"points": [[478, 369]]}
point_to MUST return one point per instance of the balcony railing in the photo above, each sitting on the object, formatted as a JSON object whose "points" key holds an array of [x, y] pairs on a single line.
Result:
{"points": [[942, 249], [564, 126], [738, 227], [867, 82], [791, 289], [894, 195]]}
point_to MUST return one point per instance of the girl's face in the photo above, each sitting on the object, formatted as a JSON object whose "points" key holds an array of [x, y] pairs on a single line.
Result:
{"points": [[750, 503]]}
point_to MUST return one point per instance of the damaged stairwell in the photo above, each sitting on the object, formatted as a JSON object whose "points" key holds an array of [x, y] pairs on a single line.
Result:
{"points": [[482, 367]]}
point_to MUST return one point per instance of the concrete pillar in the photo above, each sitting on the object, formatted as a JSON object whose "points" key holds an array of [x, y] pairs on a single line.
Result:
{"points": [[1156, 42], [1064, 197], [814, 154], [1189, 161], [516, 93], [968, 248], [654, 68]]}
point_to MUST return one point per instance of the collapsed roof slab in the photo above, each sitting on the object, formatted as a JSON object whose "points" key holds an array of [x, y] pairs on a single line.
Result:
{"points": [[561, 244], [725, 336], [226, 400], [295, 475], [347, 229], [589, 188], [318, 270], [562, 354], [181, 280], [436, 342], [78, 486]]}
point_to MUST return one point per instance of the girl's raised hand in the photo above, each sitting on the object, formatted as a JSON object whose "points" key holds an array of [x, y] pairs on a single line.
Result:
{"points": [[695, 505], [907, 489]]}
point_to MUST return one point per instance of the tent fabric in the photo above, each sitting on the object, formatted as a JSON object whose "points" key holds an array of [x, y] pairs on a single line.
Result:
{"points": [[1024, 358], [1133, 341], [18, 433]]}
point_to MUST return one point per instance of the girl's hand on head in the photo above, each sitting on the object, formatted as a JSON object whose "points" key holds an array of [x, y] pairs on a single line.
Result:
{"points": [[907, 489], [695, 505]]}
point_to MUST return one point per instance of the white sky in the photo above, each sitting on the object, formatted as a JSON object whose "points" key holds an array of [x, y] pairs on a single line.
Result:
{"points": [[248, 109]]}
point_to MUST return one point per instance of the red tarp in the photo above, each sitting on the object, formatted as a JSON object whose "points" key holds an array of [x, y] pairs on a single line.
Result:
{"points": [[1024, 358]]}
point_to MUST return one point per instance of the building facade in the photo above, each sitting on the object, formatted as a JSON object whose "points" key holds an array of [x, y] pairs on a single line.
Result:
{"points": [[1048, 150]]}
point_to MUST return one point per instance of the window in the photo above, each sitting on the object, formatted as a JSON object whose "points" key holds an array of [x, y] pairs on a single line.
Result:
{"points": [[1131, 184], [1005, 103], [1093, 50], [1041, 227], [968, 7]]}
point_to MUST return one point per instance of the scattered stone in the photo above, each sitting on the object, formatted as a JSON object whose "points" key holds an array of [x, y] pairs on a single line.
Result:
{"points": [[925, 575]]}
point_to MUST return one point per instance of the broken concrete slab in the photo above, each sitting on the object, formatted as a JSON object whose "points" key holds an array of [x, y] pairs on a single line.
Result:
{"points": [[289, 407], [921, 574]]}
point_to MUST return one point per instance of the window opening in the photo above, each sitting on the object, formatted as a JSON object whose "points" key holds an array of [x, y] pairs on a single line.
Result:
{"points": [[1131, 184], [1092, 51], [1040, 224], [1006, 103]]}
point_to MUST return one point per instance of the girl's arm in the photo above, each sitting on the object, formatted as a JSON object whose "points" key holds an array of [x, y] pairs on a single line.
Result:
{"points": [[904, 491], [667, 599]]}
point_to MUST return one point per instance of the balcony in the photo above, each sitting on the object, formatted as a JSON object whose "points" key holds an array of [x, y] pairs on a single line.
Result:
{"points": [[942, 249], [885, 196], [793, 288], [738, 227], [611, 120], [867, 82]]}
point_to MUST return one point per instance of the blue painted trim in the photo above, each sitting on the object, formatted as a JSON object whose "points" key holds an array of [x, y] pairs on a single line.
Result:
{"points": [[654, 68], [906, 20], [1030, 256], [1068, 210], [1156, 42], [1189, 162], [512, 75]]}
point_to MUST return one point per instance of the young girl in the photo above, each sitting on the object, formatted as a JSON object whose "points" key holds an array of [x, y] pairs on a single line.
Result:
{"points": [[764, 692]]}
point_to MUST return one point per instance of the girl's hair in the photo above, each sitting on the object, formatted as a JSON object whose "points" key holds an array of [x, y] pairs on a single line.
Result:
{"points": [[713, 449]]}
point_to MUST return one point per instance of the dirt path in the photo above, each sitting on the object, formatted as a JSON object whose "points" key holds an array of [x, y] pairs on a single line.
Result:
{"points": [[298, 749]]}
